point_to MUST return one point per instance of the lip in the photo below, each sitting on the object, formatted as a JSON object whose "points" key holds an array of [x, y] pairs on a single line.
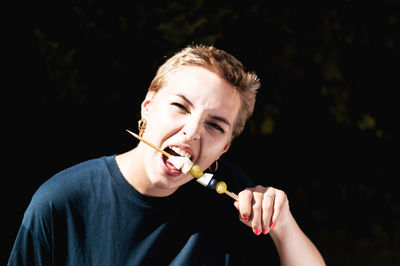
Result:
{"points": [[167, 167], [185, 148]]}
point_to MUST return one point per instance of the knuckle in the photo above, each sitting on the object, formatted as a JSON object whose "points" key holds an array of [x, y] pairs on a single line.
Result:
{"points": [[257, 205], [282, 193], [245, 193]]}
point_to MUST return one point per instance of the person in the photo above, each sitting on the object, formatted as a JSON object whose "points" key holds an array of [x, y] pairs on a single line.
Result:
{"points": [[136, 208]]}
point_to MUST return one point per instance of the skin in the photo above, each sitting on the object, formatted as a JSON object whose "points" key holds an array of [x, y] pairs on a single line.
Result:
{"points": [[196, 111]]}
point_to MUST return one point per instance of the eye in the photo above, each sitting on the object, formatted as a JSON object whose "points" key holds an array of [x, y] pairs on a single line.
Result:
{"points": [[216, 126], [180, 106]]}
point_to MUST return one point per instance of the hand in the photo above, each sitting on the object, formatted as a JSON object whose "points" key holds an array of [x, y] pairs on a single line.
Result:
{"points": [[262, 208], [267, 208]]}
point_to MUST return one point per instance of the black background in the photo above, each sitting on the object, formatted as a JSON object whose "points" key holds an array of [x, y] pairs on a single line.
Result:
{"points": [[324, 123]]}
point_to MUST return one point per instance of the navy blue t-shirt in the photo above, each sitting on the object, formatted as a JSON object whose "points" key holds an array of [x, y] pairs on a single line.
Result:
{"points": [[90, 215]]}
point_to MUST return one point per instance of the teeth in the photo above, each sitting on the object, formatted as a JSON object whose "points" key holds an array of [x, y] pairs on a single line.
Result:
{"points": [[181, 152]]}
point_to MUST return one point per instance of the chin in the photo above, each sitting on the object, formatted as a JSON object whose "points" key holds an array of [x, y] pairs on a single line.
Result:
{"points": [[169, 183]]}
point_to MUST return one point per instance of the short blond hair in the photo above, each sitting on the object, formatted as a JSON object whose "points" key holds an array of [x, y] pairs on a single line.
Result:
{"points": [[224, 65]]}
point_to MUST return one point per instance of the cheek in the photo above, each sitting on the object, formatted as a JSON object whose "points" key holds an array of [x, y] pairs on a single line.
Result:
{"points": [[211, 151], [163, 114], [160, 121]]}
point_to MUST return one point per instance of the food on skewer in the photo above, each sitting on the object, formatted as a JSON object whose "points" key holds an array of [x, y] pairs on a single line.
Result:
{"points": [[186, 165], [181, 162], [196, 171]]}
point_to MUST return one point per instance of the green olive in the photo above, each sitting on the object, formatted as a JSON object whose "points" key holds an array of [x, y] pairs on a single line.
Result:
{"points": [[196, 171], [221, 187]]}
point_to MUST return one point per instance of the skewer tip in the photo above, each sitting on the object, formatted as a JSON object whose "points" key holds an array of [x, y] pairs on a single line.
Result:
{"points": [[148, 143], [133, 134]]}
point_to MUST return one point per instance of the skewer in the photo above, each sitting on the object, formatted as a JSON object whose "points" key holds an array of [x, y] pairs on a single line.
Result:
{"points": [[232, 195], [148, 143], [224, 190]]}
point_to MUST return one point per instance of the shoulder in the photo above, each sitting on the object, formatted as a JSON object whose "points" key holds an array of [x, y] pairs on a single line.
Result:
{"points": [[66, 187], [73, 178]]}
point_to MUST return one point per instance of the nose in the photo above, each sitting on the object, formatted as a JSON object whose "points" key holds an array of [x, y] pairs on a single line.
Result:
{"points": [[192, 130]]}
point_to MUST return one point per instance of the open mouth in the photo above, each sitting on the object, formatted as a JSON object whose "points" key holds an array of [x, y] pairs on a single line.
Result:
{"points": [[176, 151], [169, 168]]}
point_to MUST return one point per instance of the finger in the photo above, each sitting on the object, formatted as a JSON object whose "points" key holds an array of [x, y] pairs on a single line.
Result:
{"points": [[245, 202], [267, 211], [236, 204], [280, 202], [256, 219]]}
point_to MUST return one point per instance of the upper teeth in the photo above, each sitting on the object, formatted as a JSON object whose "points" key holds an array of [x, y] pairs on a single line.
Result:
{"points": [[181, 152]]}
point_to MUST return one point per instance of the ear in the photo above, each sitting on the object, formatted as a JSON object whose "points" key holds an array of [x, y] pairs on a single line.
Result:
{"points": [[226, 148], [146, 104]]}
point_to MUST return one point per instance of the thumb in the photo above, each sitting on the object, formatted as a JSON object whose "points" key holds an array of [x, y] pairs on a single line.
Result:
{"points": [[236, 203]]}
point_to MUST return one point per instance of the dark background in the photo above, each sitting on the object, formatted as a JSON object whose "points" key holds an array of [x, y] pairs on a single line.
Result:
{"points": [[324, 123]]}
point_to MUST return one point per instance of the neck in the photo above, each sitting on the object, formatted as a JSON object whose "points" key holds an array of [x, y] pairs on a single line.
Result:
{"points": [[131, 165]]}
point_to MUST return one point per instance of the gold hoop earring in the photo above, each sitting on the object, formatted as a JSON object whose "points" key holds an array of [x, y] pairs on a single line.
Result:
{"points": [[215, 168], [142, 126]]}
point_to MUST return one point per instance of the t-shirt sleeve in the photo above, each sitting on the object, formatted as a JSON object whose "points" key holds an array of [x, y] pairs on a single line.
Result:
{"points": [[29, 250], [34, 241], [53, 212]]}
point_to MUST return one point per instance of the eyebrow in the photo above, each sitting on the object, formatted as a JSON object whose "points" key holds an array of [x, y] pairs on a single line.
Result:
{"points": [[215, 117], [185, 99]]}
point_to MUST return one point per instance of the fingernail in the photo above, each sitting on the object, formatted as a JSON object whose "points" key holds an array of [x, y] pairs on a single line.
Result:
{"points": [[273, 226], [246, 217], [257, 231], [265, 231]]}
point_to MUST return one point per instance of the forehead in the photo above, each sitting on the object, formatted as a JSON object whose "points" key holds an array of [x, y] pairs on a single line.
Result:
{"points": [[205, 89]]}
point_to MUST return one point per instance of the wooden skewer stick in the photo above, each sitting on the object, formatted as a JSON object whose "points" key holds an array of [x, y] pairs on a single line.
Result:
{"points": [[230, 194], [148, 143]]}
